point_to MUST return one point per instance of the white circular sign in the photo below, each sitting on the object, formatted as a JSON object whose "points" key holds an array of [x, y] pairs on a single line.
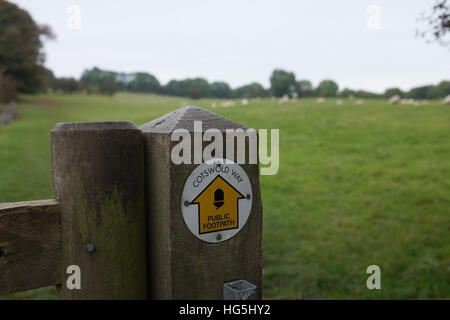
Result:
{"points": [[216, 200]]}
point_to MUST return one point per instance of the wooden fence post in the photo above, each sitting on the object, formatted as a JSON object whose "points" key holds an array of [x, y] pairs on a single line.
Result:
{"points": [[182, 266], [98, 173]]}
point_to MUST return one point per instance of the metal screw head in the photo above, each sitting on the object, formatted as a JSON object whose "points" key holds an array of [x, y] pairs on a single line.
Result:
{"points": [[186, 203], [219, 237], [90, 247], [248, 196]]}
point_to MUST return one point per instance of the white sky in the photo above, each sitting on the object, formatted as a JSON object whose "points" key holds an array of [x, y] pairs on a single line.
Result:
{"points": [[241, 41]]}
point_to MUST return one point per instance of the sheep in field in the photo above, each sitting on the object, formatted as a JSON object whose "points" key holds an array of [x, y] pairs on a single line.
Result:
{"points": [[320, 100], [283, 100], [446, 100], [394, 99], [226, 104]]}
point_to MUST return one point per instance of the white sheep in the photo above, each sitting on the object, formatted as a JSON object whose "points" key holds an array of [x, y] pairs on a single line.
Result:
{"points": [[226, 104], [446, 100], [320, 100], [284, 99], [394, 99]]}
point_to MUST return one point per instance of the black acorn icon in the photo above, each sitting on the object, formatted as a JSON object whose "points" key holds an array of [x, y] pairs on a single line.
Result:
{"points": [[218, 198]]}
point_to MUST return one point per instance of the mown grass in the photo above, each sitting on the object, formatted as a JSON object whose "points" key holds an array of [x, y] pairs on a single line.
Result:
{"points": [[358, 185]]}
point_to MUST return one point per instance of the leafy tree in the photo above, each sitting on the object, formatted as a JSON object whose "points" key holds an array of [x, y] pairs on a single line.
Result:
{"points": [[305, 88], [200, 84], [423, 92], [431, 92], [252, 90], [440, 91], [65, 85], [8, 87], [123, 79], [20, 47], [96, 76], [48, 78], [91, 90], [194, 93], [390, 92], [327, 88], [367, 94], [282, 82], [109, 82], [347, 93], [172, 88], [183, 87], [144, 82], [220, 90], [437, 22], [108, 86]]}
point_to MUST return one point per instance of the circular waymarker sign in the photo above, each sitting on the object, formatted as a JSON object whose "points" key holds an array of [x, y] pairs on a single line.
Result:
{"points": [[216, 200]]}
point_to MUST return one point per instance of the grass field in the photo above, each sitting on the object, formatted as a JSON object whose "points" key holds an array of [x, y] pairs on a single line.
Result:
{"points": [[358, 185]]}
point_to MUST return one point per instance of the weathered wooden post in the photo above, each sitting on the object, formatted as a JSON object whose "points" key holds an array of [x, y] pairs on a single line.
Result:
{"points": [[195, 251], [98, 171]]}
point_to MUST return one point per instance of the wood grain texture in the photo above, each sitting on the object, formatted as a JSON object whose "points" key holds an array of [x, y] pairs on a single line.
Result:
{"points": [[181, 265], [30, 245], [98, 177]]}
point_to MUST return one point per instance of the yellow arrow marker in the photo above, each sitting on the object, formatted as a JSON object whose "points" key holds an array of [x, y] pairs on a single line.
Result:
{"points": [[218, 207]]}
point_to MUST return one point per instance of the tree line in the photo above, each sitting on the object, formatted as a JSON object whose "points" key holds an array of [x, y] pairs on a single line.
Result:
{"points": [[282, 83], [100, 81]]}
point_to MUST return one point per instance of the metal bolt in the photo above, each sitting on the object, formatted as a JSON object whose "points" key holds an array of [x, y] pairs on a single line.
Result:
{"points": [[186, 203], [248, 196], [219, 237], [90, 248]]}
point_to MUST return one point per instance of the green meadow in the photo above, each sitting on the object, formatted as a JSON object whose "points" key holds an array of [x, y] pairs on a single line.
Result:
{"points": [[357, 185]]}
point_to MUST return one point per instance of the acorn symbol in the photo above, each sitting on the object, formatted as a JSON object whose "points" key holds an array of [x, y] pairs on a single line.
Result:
{"points": [[218, 198]]}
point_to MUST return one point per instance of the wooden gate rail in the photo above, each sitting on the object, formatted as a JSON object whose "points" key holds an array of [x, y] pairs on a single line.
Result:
{"points": [[30, 245]]}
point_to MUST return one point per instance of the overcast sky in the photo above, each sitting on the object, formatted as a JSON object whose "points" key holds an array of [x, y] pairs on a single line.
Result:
{"points": [[360, 44]]}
